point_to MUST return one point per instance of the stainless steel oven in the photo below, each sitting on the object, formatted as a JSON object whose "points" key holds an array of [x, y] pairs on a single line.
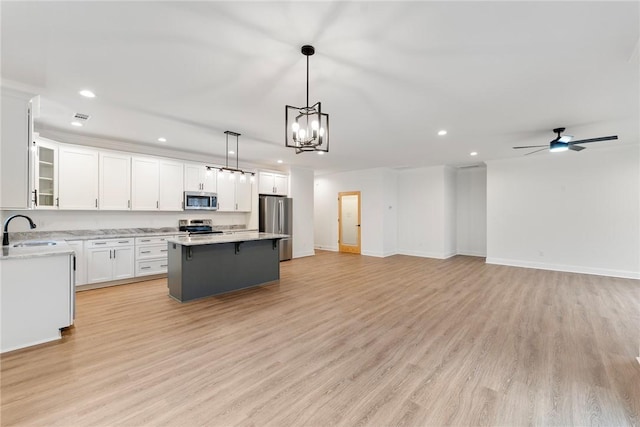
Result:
{"points": [[200, 200]]}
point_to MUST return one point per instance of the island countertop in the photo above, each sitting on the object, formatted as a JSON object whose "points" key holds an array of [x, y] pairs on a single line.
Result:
{"points": [[212, 239]]}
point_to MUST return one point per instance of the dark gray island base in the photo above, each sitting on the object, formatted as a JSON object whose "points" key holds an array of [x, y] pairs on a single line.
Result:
{"points": [[215, 264]]}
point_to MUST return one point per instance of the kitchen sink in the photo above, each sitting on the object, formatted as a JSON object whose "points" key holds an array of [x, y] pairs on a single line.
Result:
{"points": [[34, 243]]}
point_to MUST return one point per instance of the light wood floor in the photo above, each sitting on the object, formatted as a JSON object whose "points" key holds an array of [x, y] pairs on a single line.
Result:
{"points": [[344, 340]]}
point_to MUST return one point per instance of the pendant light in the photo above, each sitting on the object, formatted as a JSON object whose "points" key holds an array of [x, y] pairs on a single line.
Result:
{"points": [[306, 128], [231, 170]]}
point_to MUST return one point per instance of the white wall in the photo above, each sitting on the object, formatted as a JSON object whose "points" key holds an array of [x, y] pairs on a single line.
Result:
{"points": [[301, 190], [375, 185], [390, 212], [450, 216], [422, 227], [568, 211], [471, 195]]}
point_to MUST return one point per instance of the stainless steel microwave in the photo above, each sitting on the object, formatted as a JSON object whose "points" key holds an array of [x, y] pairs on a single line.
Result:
{"points": [[200, 200]]}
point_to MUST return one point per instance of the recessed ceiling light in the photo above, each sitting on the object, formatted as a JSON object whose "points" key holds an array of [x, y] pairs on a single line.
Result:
{"points": [[442, 132], [78, 124], [279, 161], [473, 153], [87, 93], [162, 139], [320, 153], [232, 152]]}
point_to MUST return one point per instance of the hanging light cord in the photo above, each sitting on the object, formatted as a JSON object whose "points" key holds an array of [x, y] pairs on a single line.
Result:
{"points": [[307, 81]]}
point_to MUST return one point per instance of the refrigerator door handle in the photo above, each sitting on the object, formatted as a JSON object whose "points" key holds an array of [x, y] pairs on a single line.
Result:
{"points": [[280, 216]]}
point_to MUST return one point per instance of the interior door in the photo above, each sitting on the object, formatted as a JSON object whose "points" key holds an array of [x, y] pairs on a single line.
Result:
{"points": [[349, 222]]}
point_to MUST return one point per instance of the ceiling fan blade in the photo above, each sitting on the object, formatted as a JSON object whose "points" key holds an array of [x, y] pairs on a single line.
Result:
{"points": [[602, 138], [542, 149], [576, 147], [531, 146]]}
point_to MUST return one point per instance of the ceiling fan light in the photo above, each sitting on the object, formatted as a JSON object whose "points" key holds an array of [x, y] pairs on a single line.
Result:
{"points": [[565, 138], [558, 146]]}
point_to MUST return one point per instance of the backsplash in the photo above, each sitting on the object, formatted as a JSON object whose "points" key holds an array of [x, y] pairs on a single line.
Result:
{"points": [[92, 220]]}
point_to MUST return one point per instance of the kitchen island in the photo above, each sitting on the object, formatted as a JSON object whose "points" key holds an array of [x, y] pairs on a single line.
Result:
{"points": [[206, 265]]}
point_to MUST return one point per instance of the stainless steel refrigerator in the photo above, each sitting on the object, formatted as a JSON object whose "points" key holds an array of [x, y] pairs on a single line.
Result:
{"points": [[276, 216]]}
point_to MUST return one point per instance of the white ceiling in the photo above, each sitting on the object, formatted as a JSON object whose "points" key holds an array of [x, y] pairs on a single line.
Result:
{"points": [[390, 75]]}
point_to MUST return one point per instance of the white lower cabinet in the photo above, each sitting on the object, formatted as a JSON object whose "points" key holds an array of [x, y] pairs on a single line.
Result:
{"points": [[151, 255], [80, 264], [37, 300], [109, 259]]}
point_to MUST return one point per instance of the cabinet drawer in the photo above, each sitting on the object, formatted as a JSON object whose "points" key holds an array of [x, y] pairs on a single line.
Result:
{"points": [[109, 243], [151, 240], [156, 266], [151, 251]]}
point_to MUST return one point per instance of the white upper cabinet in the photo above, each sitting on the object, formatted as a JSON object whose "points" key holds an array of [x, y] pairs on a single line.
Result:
{"points": [[77, 178], [234, 192], [198, 178], [171, 186], [115, 181], [273, 183], [243, 194], [226, 192], [156, 184], [145, 183], [16, 139], [45, 191]]}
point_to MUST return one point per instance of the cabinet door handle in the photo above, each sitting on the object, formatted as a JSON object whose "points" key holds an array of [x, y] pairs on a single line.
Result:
{"points": [[110, 253], [144, 268], [100, 243], [128, 203], [145, 240], [145, 252], [164, 250], [57, 201], [35, 197], [123, 241], [114, 254], [157, 204], [163, 265]]}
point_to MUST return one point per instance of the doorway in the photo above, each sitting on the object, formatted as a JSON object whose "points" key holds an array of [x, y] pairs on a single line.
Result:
{"points": [[349, 222]]}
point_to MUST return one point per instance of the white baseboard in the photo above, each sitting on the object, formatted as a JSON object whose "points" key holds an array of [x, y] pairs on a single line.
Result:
{"points": [[566, 268], [326, 248], [472, 253], [304, 254], [378, 254], [423, 254]]}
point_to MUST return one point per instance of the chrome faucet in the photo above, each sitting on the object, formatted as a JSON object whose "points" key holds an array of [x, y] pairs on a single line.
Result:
{"points": [[5, 235]]}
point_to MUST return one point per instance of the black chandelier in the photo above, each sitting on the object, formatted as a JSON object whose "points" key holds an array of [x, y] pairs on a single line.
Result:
{"points": [[306, 128]]}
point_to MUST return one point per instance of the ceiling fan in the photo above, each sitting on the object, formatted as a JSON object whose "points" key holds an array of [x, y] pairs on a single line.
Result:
{"points": [[563, 142]]}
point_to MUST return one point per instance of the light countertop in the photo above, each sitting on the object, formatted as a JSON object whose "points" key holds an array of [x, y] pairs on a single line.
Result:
{"points": [[107, 233], [231, 234], [111, 233], [11, 252], [212, 239]]}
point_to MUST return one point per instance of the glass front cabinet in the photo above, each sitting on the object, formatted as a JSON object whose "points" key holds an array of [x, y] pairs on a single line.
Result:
{"points": [[45, 190]]}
